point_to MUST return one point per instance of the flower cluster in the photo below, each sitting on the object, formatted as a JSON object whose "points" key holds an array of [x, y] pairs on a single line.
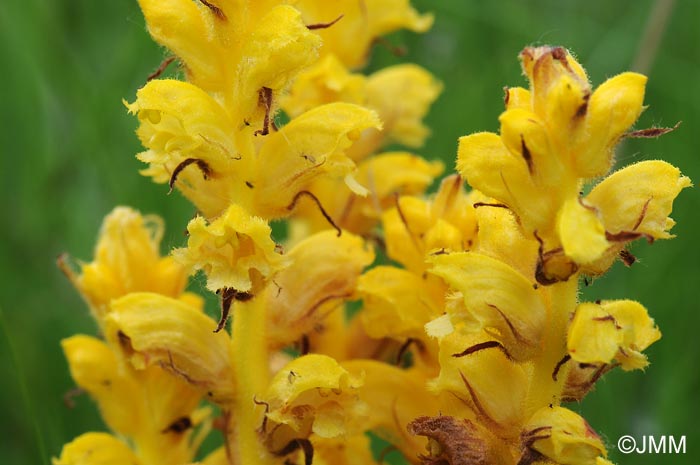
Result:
{"points": [[469, 335]]}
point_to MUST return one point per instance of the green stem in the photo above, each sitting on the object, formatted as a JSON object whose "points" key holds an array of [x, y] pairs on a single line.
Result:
{"points": [[249, 347]]}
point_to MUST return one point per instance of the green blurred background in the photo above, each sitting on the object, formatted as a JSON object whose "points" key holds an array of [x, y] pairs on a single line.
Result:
{"points": [[68, 158]]}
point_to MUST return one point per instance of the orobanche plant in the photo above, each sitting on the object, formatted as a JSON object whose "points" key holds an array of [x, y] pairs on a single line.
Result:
{"points": [[466, 337]]}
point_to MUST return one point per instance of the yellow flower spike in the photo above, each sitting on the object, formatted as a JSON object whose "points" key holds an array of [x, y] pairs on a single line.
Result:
{"points": [[350, 38], [486, 379], [94, 449], [612, 330], [495, 293], [563, 437], [311, 145], [613, 108], [155, 330], [322, 274], [581, 231], [397, 303], [315, 394], [127, 259], [235, 251], [639, 198], [95, 368]]}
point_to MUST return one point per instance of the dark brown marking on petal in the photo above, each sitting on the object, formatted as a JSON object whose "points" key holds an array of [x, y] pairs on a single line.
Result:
{"points": [[560, 364], [201, 164], [587, 207], [218, 12], [642, 214], [249, 185], [325, 214], [651, 133], [265, 101], [481, 346], [71, 394], [125, 342], [583, 108], [399, 210], [304, 345], [506, 96], [178, 426], [516, 334], [608, 318], [494, 205], [155, 74], [526, 154], [312, 27], [475, 398], [623, 236], [627, 258], [322, 301]]}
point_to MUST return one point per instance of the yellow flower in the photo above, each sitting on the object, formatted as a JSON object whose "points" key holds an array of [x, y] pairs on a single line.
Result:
{"points": [[612, 330], [361, 23], [156, 411], [235, 251], [562, 436], [127, 259], [321, 276], [96, 448], [553, 138]]}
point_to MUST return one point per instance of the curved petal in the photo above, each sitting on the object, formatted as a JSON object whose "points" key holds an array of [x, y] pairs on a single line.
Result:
{"points": [[612, 330], [154, 330], [322, 275], [639, 198], [310, 146], [496, 293], [563, 437], [613, 108], [581, 231]]}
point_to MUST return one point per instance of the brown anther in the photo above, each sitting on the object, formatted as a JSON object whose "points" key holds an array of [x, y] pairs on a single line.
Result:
{"points": [[558, 366], [304, 345], [583, 108], [397, 51], [265, 101], [328, 218], [526, 154], [545, 277], [228, 295], [179, 426], [125, 342], [404, 348], [486, 204], [201, 164], [218, 12], [71, 394], [481, 346], [627, 258], [155, 74], [651, 133], [312, 27], [263, 427]]}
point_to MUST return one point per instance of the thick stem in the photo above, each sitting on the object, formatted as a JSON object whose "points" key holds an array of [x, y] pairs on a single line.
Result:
{"points": [[545, 390], [251, 373]]}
